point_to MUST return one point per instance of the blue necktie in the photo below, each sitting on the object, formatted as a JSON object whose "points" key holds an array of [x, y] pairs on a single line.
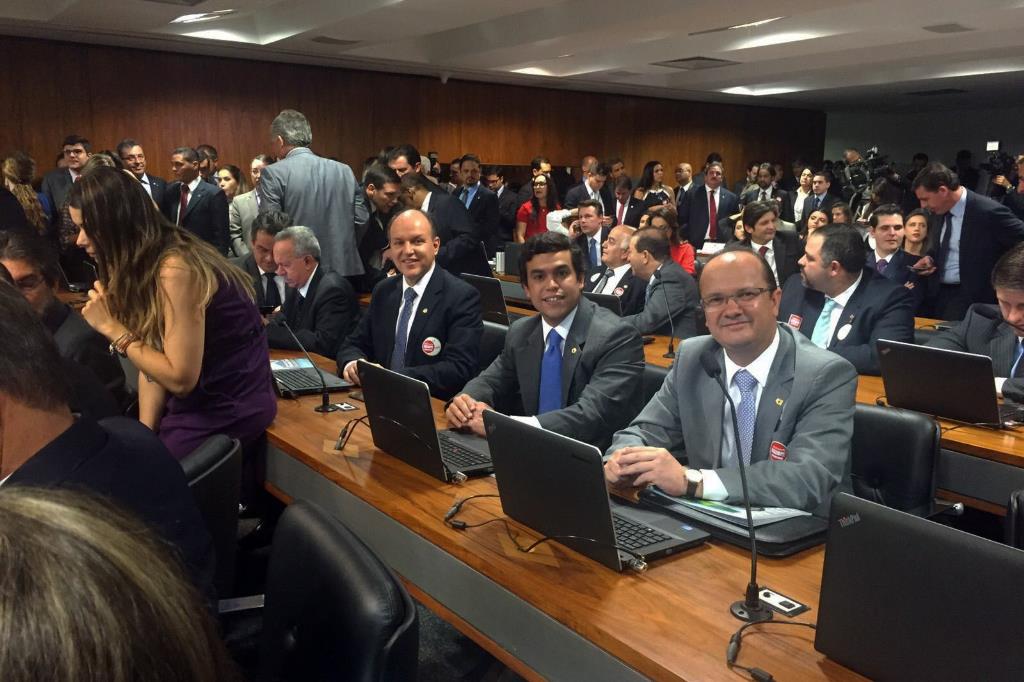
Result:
{"points": [[401, 332], [819, 337], [1017, 368], [595, 258], [465, 197], [815, 202], [746, 412], [551, 375]]}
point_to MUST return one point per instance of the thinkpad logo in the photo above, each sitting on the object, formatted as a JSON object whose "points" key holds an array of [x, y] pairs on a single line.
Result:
{"points": [[845, 521]]}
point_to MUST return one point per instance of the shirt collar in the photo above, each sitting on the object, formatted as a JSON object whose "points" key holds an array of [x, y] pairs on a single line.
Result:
{"points": [[844, 298], [426, 202], [755, 246], [621, 270], [195, 183], [959, 206], [421, 285], [879, 257], [563, 326], [760, 367], [305, 287]]}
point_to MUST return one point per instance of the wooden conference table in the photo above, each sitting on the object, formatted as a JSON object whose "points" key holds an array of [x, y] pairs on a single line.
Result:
{"points": [[551, 614]]}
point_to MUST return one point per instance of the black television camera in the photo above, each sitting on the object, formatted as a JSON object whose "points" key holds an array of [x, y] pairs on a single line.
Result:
{"points": [[857, 177]]}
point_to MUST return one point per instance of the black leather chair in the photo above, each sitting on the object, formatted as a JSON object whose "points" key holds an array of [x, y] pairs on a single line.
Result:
{"points": [[1015, 520], [654, 377], [214, 473], [333, 610], [491, 343], [893, 458]]}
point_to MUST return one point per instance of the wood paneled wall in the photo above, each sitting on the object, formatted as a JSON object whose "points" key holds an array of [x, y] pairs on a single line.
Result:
{"points": [[164, 100]]}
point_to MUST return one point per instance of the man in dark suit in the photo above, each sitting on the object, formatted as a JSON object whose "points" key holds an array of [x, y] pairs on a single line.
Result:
{"points": [[821, 199], [628, 208], [382, 187], [782, 250], [704, 205], [970, 232], [670, 293], [462, 248], [134, 159], [590, 188], [508, 202], [887, 258], [588, 233], [575, 368], [321, 307], [45, 445], [795, 405], [57, 183], [481, 202], [996, 330], [198, 206], [259, 263], [617, 278], [840, 305], [424, 323], [539, 165], [768, 192]]}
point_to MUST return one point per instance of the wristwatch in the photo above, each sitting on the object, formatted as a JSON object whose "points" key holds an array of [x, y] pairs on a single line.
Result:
{"points": [[694, 478]]}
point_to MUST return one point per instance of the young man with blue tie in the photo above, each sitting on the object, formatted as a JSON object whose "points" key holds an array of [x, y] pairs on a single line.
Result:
{"points": [[574, 369]]}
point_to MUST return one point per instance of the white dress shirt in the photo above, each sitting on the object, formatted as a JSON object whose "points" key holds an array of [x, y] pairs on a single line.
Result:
{"points": [[837, 310], [148, 185], [191, 193], [426, 203], [951, 270], [760, 368], [278, 280], [563, 328], [769, 256], [798, 203], [305, 287], [613, 281]]}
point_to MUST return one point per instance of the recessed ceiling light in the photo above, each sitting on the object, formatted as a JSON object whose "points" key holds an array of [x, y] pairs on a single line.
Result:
{"points": [[776, 39], [563, 56], [532, 71], [754, 24], [203, 16], [758, 91]]}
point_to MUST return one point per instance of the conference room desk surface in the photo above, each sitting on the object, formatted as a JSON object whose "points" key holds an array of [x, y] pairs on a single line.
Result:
{"points": [[552, 613]]}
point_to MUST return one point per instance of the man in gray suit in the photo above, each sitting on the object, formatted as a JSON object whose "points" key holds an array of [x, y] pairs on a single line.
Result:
{"points": [[671, 291], [242, 210], [575, 368], [794, 402], [316, 192]]}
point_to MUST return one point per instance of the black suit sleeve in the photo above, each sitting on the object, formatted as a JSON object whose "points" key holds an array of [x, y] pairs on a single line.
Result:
{"points": [[220, 224], [460, 356], [464, 243]]}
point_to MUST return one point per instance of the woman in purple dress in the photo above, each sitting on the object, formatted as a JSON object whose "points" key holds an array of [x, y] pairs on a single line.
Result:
{"points": [[179, 311]]}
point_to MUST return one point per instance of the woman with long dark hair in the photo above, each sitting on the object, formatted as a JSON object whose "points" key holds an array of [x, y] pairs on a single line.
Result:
{"points": [[663, 218], [179, 311], [651, 189], [230, 179], [531, 218]]}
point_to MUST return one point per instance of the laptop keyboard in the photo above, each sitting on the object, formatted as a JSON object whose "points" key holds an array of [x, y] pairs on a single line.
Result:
{"points": [[632, 535], [458, 456], [297, 379]]}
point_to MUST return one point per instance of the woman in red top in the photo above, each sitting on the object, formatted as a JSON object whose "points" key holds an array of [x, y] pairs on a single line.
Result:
{"points": [[531, 218], [664, 219]]}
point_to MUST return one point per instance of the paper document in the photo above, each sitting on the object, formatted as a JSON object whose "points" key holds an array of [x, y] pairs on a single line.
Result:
{"points": [[291, 363], [762, 516]]}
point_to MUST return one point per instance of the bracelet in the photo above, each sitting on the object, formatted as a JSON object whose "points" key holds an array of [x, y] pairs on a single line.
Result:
{"points": [[120, 346]]}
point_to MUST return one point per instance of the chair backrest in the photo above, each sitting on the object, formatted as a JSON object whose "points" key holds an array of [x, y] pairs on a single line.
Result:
{"points": [[491, 343], [923, 336], [214, 473], [653, 378], [1015, 520], [333, 609], [893, 457]]}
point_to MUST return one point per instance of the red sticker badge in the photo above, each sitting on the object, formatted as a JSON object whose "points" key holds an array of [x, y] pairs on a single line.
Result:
{"points": [[795, 321], [431, 346], [777, 452], [618, 291]]}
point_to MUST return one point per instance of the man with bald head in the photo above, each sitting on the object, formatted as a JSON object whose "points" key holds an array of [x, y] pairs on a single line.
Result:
{"points": [[616, 278], [794, 404], [424, 322], [684, 178]]}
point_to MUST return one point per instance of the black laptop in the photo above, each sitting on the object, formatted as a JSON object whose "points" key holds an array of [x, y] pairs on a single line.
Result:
{"points": [[555, 485], [609, 301], [297, 376], [492, 299], [945, 383], [402, 424], [904, 598], [513, 251]]}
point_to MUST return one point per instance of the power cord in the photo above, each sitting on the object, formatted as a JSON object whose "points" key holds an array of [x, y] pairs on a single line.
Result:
{"points": [[637, 562], [736, 641], [348, 430]]}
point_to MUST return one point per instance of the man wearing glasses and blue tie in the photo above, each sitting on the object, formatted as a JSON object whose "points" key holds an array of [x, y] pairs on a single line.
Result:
{"points": [[794, 404]]}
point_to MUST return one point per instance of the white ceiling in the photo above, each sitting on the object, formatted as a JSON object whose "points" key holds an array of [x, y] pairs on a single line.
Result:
{"points": [[851, 54]]}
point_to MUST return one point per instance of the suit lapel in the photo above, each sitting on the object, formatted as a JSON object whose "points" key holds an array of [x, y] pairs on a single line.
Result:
{"points": [[427, 303], [528, 365], [774, 397], [572, 349], [814, 301], [714, 406], [196, 198], [851, 310], [307, 305], [390, 304], [1002, 349]]}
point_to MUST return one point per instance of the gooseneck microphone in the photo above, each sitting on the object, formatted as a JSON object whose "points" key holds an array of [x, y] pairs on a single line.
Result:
{"points": [[751, 609], [325, 395], [671, 352]]}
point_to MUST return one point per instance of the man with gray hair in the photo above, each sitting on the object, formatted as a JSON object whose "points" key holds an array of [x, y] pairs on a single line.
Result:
{"points": [[320, 306], [314, 191]]}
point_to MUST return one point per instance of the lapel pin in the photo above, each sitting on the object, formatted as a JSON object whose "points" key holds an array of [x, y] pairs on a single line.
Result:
{"points": [[779, 401], [424, 311], [573, 349]]}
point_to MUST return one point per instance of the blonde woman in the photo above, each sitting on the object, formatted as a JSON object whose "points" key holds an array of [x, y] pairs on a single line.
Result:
{"points": [[18, 171]]}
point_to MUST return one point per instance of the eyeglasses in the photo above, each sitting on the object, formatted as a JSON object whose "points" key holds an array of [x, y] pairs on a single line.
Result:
{"points": [[540, 184], [29, 282], [742, 297]]}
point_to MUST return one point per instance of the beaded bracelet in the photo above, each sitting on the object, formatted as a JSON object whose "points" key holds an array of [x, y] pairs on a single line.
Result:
{"points": [[120, 346]]}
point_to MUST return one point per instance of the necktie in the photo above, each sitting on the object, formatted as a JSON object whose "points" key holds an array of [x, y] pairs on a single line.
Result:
{"points": [[764, 195], [294, 315], [881, 265], [595, 257], [401, 332], [603, 282], [763, 250], [551, 375], [75, 178], [1017, 370], [746, 412], [819, 337], [273, 295], [183, 204], [465, 197], [712, 216], [947, 233], [618, 216], [650, 288]]}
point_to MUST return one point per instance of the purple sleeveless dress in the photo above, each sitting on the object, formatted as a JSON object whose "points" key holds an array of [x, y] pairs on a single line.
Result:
{"points": [[235, 394]]}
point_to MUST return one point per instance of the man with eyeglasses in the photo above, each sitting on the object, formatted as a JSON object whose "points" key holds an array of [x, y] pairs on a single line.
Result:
{"points": [[841, 305], [794, 405], [57, 183], [670, 295]]}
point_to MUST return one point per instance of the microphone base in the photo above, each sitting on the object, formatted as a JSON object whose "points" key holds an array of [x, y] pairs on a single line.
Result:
{"points": [[670, 355], [750, 615], [326, 408]]}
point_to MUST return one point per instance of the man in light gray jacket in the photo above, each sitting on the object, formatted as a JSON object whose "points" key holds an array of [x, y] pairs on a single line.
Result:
{"points": [[316, 192]]}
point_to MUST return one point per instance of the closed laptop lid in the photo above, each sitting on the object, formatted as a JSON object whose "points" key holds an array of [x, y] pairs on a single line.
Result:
{"points": [[492, 298]]}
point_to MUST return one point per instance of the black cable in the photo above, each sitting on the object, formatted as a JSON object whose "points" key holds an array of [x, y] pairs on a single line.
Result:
{"points": [[732, 652], [348, 430]]}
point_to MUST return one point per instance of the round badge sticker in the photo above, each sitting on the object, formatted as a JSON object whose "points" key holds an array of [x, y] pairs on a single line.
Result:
{"points": [[431, 346], [777, 451], [618, 291], [843, 332]]}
